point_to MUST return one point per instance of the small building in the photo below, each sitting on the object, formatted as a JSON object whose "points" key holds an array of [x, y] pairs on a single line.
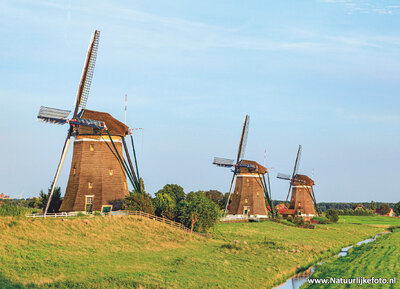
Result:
{"points": [[4, 197], [390, 214], [281, 208], [359, 207]]}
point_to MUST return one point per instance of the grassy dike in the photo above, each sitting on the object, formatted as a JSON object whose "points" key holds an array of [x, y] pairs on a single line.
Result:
{"points": [[380, 259], [126, 252]]}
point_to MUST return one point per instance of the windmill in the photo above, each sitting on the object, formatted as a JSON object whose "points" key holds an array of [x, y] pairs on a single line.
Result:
{"points": [[302, 200], [94, 156], [249, 182]]}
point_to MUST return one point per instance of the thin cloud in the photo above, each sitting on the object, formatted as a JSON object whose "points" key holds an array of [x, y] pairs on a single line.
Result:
{"points": [[367, 7]]}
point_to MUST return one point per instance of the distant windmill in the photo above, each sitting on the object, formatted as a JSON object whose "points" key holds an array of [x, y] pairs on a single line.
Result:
{"points": [[98, 171], [249, 182], [302, 200]]}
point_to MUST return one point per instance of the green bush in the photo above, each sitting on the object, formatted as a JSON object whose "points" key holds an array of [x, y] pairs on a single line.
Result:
{"points": [[384, 208], [13, 210], [321, 220], [299, 221], [290, 218], [396, 209], [332, 215], [139, 202]]}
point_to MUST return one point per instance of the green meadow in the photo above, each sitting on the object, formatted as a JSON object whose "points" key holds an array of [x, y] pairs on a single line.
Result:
{"points": [[379, 221], [128, 252]]}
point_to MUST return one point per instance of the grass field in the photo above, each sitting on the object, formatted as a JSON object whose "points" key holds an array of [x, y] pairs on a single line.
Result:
{"points": [[125, 252], [380, 259], [379, 221]]}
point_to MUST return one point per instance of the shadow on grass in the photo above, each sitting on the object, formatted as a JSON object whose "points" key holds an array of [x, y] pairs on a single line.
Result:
{"points": [[6, 284], [110, 282]]}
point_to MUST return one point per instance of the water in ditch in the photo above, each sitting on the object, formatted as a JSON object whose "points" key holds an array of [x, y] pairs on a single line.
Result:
{"points": [[296, 281]]}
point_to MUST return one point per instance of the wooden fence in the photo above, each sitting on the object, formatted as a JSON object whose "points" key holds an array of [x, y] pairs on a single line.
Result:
{"points": [[52, 215], [168, 222]]}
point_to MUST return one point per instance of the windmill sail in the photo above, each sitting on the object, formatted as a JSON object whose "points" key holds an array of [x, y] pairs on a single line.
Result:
{"points": [[87, 73], [60, 164], [243, 139], [283, 176], [295, 170], [297, 163], [59, 116], [53, 112], [223, 162]]}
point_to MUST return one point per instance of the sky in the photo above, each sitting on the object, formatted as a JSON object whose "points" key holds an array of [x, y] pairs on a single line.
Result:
{"points": [[324, 74]]}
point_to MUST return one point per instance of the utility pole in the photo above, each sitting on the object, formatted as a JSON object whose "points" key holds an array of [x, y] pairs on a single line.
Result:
{"points": [[126, 104]]}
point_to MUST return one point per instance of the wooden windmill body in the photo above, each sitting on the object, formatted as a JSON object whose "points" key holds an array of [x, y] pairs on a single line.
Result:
{"points": [[250, 191], [96, 178], [302, 200], [248, 196], [99, 170]]}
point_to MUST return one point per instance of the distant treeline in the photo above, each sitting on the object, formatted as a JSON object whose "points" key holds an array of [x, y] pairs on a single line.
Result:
{"points": [[324, 206], [342, 206]]}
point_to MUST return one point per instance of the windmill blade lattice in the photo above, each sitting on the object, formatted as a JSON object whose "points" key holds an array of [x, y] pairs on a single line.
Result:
{"points": [[243, 139], [92, 63], [87, 73]]}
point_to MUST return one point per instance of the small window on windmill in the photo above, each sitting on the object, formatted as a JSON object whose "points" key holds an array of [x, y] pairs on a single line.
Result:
{"points": [[110, 172], [89, 200], [258, 194], [91, 147], [245, 200], [74, 171], [90, 185]]}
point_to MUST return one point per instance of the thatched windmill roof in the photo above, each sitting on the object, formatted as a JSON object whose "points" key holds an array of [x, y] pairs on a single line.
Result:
{"points": [[115, 127]]}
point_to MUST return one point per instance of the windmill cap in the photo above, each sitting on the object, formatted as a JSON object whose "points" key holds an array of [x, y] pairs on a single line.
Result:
{"points": [[114, 126], [305, 180]]}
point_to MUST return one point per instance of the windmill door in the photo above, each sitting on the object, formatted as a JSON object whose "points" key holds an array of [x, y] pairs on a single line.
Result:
{"points": [[246, 210], [89, 204]]}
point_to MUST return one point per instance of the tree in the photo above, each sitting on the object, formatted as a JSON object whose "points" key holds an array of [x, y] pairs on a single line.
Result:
{"points": [[175, 191], [199, 212], [165, 205], [142, 189], [372, 206], [139, 202], [55, 203], [332, 215], [217, 197], [384, 209], [396, 209]]}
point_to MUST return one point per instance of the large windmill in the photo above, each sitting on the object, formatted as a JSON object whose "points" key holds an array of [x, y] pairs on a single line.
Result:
{"points": [[302, 201], [99, 170], [248, 180]]}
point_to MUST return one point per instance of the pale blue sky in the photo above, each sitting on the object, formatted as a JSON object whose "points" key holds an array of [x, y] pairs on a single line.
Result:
{"points": [[324, 74]]}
